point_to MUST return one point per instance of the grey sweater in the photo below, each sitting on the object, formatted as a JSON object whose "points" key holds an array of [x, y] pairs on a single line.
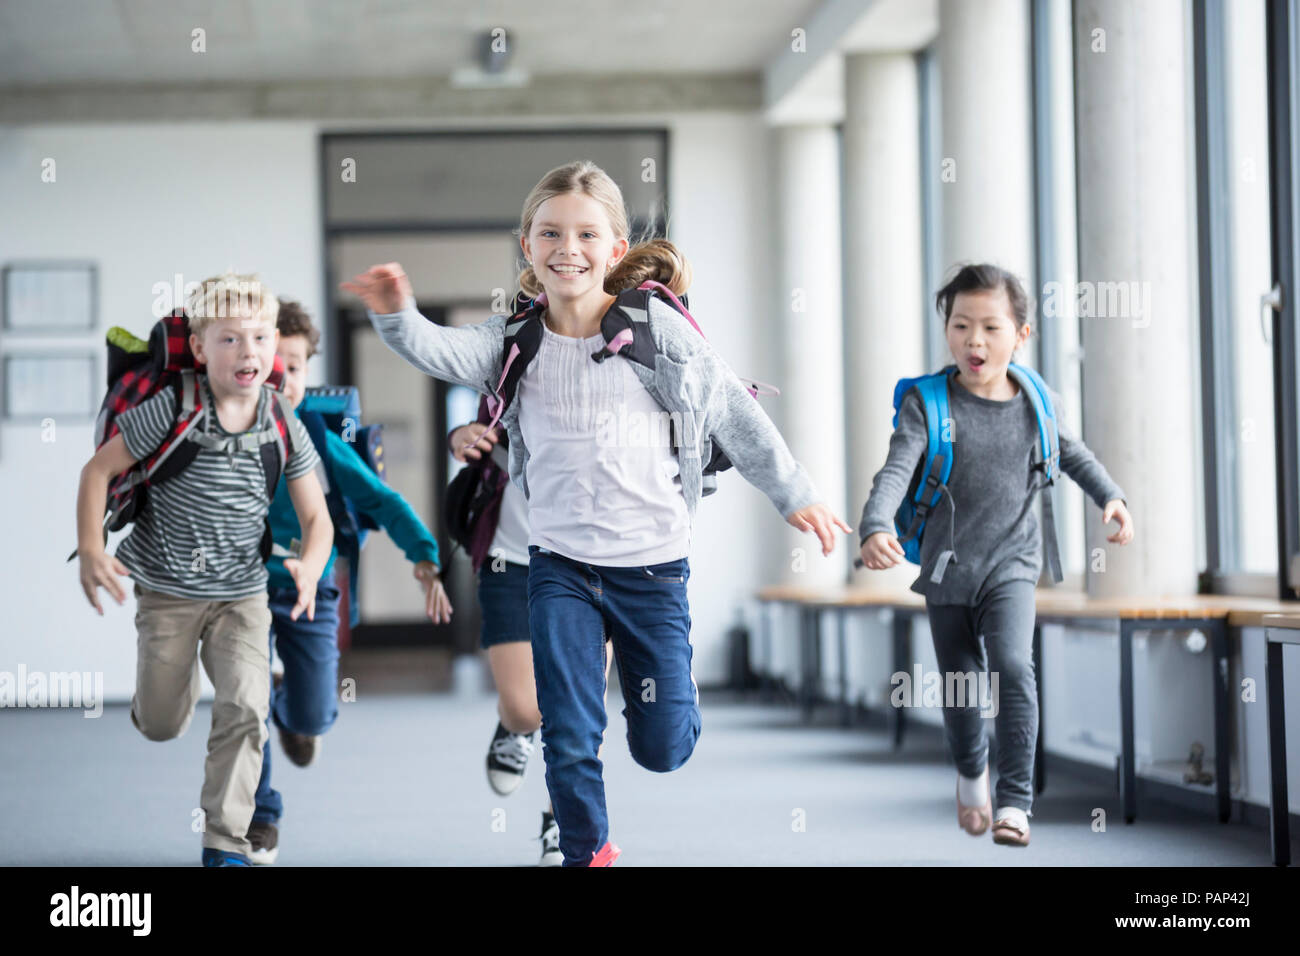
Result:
{"points": [[707, 402], [992, 491]]}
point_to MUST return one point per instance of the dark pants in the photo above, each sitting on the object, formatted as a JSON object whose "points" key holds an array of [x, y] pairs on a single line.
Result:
{"points": [[1001, 624], [572, 607], [307, 701]]}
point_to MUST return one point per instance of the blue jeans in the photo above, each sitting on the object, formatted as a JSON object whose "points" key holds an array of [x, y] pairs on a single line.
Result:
{"points": [[571, 608], [307, 701]]}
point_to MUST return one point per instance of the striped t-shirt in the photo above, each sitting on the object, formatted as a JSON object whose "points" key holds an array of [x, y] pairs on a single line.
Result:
{"points": [[200, 532]]}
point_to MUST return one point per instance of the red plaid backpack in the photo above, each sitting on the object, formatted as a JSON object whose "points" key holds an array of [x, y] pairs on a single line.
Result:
{"points": [[139, 370]]}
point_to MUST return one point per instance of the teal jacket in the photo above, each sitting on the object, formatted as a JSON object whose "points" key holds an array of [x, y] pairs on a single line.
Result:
{"points": [[368, 493]]}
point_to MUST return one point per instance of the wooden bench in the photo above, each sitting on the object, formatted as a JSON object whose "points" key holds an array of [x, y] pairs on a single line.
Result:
{"points": [[1218, 616]]}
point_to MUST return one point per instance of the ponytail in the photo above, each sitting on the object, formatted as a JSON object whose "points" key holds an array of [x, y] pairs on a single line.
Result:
{"points": [[657, 259], [529, 284]]}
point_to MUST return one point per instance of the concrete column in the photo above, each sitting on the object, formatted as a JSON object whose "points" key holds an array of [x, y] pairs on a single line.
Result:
{"points": [[986, 174], [810, 330], [1136, 257], [884, 309]]}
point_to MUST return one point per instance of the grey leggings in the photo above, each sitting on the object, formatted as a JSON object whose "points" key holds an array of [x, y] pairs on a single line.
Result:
{"points": [[1001, 624]]}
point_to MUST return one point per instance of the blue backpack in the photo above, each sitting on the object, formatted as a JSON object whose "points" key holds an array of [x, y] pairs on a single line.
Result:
{"points": [[337, 408], [929, 484]]}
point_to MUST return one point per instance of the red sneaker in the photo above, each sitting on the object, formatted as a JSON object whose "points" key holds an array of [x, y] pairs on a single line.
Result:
{"points": [[605, 856]]}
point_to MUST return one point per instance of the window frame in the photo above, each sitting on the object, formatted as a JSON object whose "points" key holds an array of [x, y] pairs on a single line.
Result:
{"points": [[1282, 33]]}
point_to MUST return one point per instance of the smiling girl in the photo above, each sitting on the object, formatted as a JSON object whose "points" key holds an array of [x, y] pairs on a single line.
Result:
{"points": [[609, 522], [978, 571]]}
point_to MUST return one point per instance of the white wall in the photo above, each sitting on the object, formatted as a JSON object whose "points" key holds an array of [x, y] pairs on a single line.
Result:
{"points": [[719, 182], [143, 202], [147, 201]]}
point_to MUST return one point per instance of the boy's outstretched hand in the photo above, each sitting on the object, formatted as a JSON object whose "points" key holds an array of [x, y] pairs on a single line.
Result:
{"points": [[436, 603], [100, 570], [821, 521], [384, 289], [1115, 509], [306, 585]]}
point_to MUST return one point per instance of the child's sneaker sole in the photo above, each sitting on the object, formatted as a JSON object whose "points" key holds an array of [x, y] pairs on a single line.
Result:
{"points": [[265, 840], [1008, 834], [606, 855]]}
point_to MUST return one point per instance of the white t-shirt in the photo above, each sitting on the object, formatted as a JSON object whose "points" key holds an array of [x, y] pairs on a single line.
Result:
{"points": [[603, 478], [511, 538]]}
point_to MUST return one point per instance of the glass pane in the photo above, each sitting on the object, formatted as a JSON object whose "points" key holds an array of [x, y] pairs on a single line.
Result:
{"points": [[53, 297], [462, 408], [1252, 434], [44, 386], [464, 179]]}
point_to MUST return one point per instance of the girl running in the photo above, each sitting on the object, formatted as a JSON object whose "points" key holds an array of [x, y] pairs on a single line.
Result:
{"points": [[502, 569], [978, 571], [609, 515]]}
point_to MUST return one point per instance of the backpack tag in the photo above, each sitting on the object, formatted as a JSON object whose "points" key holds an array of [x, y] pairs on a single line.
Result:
{"points": [[941, 565]]}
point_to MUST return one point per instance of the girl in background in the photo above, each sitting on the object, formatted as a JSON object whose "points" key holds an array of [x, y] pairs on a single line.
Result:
{"points": [[978, 573]]}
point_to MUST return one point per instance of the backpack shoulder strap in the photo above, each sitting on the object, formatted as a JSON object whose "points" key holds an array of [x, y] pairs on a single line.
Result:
{"points": [[278, 438], [937, 466], [933, 390], [1049, 456], [1041, 399], [626, 328], [179, 448], [318, 430], [519, 345]]}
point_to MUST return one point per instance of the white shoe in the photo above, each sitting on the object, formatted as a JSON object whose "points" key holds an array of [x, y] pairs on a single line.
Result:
{"points": [[551, 855], [507, 759], [1011, 827], [974, 820], [265, 840]]}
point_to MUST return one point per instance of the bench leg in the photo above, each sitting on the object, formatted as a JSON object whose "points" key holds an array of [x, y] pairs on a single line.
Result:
{"points": [[1127, 769], [816, 658], [901, 627], [1040, 761], [809, 639], [1278, 805], [766, 676], [1222, 745], [841, 615], [805, 667]]}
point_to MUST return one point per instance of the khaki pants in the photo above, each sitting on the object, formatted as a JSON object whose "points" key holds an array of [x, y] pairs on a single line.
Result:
{"points": [[232, 639]]}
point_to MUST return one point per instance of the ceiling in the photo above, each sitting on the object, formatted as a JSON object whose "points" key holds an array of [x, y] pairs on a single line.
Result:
{"points": [[51, 42]]}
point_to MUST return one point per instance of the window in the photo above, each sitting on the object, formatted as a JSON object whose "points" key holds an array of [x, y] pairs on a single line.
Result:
{"points": [[1056, 323], [1235, 270], [927, 65]]}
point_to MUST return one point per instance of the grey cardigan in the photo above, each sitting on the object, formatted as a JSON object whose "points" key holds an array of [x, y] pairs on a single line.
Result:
{"points": [[992, 485], [705, 399]]}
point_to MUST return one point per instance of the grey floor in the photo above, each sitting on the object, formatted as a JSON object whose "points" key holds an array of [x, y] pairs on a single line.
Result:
{"points": [[400, 781]]}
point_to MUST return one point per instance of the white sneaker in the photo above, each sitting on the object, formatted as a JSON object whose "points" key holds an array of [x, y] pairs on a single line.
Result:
{"points": [[507, 759], [551, 855], [265, 840], [1011, 827]]}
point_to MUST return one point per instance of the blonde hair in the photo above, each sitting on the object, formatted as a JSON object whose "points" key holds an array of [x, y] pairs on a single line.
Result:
{"points": [[229, 295], [656, 259]]}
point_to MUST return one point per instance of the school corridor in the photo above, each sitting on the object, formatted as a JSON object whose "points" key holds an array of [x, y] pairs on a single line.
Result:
{"points": [[400, 782], [1013, 284]]}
